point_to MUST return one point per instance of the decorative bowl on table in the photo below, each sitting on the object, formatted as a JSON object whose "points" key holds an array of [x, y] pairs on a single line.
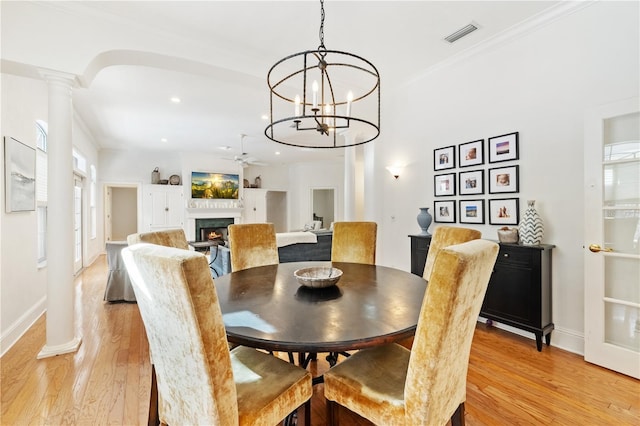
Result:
{"points": [[318, 276]]}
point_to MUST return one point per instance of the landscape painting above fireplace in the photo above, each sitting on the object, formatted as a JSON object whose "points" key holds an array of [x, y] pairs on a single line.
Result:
{"points": [[214, 185]]}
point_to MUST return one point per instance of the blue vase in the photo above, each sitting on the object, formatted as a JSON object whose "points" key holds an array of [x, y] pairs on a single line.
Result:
{"points": [[424, 220]]}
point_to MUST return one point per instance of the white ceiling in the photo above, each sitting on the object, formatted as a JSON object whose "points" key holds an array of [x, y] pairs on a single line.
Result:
{"points": [[132, 57]]}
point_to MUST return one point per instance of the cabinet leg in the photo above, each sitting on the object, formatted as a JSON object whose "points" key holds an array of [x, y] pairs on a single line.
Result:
{"points": [[547, 339], [539, 341]]}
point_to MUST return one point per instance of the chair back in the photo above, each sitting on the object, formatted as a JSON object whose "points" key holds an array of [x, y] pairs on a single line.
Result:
{"points": [[437, 375], [168, 238], [445, 236], [252, 244], [182, 318], [354, 242]]}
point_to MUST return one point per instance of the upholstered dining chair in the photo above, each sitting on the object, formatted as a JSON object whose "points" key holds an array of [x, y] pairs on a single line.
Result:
{"points": [[392, 385], [251, 245], [199, 380], [444, 236], [354, 242], [167, 237]]}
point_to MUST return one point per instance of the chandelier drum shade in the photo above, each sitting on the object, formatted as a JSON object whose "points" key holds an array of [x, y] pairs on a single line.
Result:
{"points": [[323, 99]]}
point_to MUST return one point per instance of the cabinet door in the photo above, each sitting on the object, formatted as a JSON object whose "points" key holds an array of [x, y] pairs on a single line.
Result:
{"points": [[510, 294], [174, 209], [157, 208]]}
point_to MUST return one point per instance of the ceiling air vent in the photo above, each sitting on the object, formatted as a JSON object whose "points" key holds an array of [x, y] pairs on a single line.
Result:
{"points": [[461, 33]]}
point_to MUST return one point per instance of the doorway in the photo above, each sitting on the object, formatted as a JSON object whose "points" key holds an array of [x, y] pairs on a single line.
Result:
{"points": [[120, 212], [323, 206], [77, 223]]}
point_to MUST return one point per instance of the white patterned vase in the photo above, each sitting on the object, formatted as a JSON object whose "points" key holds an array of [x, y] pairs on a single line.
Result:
{"points": [[531, 226], [424, 220]]}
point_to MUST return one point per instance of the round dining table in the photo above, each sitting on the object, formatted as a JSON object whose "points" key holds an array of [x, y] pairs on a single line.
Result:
{"points": [[265, 307]]}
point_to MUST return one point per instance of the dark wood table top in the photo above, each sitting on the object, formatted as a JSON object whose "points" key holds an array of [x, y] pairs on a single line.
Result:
{"points": [[266, 308]]}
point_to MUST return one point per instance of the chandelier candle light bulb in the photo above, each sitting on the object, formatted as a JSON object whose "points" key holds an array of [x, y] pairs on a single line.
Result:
{"points": [[349, 100], [297, 105], [314, 88]]}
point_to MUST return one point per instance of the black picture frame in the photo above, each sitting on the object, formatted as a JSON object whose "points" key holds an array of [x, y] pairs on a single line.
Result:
{"points": [[472, 211], [444, 158], [444, 211], [471, 182], [504, 211], [504, 180], [444, 185], [503, 147], [471, 153]]}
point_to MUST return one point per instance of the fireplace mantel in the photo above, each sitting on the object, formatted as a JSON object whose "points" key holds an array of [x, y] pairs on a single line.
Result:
{"points": [[194, 213]]}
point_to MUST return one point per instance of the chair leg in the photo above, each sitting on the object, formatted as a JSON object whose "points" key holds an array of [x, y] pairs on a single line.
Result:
{"points": [[307, 413], [458, 416], [332, 413], [153, 419]]}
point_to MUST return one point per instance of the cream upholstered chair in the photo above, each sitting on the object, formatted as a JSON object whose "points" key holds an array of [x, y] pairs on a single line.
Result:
{"points": [[445, 236], [390, 385], [252, 244], [199, 380], [354, 242], [168, 238]]}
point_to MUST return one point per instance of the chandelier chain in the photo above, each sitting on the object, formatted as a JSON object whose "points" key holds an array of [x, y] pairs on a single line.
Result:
{"points": [[321, 48]]}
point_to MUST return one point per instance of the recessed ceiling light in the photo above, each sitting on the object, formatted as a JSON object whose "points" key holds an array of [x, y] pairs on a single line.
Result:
{"points": [[225, 148], [265, 117], [163, 140], [175, 100], [277, 152]]}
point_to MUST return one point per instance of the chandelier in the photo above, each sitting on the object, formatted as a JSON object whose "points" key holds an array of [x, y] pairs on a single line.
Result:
{"points": [[323, 98]]}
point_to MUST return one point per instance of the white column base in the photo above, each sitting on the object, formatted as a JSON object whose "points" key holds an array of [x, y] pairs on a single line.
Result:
{"points": [[49, 351]]}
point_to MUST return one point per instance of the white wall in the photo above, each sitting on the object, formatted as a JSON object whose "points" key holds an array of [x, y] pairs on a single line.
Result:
{"points": [[23, 286], [540, 84]]}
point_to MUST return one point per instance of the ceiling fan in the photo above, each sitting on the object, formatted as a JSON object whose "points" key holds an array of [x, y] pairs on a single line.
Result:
{"points": [[244, 159]]}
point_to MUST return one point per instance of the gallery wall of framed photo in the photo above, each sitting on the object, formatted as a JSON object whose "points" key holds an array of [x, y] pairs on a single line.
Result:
{"points": [[477, 182]]}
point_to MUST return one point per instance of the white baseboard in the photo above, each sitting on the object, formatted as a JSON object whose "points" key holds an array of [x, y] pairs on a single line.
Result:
{"points": [[18, 328], [568, 340]]}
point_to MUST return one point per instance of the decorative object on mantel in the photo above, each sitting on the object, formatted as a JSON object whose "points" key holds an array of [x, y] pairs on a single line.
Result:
{"points": [[317, 94], [174, 180], [155, 176], [258, 182], [531, 227], [508, 235], [424, 220]]}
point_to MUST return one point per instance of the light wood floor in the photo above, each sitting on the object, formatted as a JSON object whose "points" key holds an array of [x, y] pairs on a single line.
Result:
{"points": [[107, 380]]}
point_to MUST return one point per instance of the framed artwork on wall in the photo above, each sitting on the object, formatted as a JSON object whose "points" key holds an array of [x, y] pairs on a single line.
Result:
{"points": [[503, 147], [20, 176], [471, 153], [444, 211], [472, 211], [470, 183], [444, 185], [504, 211], [444, 158], [503, 179]]}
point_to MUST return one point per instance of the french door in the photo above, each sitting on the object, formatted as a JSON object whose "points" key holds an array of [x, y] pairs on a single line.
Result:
{"points": [[612, 237], [77, 224]]}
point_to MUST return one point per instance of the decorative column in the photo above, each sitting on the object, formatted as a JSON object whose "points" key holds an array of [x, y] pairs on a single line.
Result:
{"points": [[349, 213], [60, 324]]}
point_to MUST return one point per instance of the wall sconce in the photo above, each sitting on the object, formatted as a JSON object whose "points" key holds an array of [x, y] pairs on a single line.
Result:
{"points": [[395, 171]]}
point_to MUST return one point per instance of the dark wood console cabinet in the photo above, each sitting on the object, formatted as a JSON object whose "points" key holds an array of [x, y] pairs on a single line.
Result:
{"points": [[519, 292]]}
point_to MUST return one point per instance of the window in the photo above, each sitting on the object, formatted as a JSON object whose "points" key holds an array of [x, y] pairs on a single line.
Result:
{"points": [[41, 190], [92, 201], [79, 163]]}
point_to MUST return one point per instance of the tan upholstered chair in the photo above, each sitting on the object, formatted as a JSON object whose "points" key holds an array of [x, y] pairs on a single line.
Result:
{"points": [[199, 380], [390, 385], [445, 236], [168, 238], [252, 244], [354, 242]]}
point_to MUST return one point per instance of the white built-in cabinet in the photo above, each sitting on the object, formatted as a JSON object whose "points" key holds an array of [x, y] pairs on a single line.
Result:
{"points": [[265, 206], [162, 207]]}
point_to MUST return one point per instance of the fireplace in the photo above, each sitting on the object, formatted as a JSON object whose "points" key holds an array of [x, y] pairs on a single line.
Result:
{"points": [[212, 228]]}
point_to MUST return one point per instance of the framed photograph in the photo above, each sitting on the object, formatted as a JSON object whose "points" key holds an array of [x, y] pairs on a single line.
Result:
{"points": [[471, 211], [444, 211], [504, 211], [503, 148], [444, 158], [503, 179], [214, 185], [470, 183], [20, 176], [471, 153], [444, 185]]}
